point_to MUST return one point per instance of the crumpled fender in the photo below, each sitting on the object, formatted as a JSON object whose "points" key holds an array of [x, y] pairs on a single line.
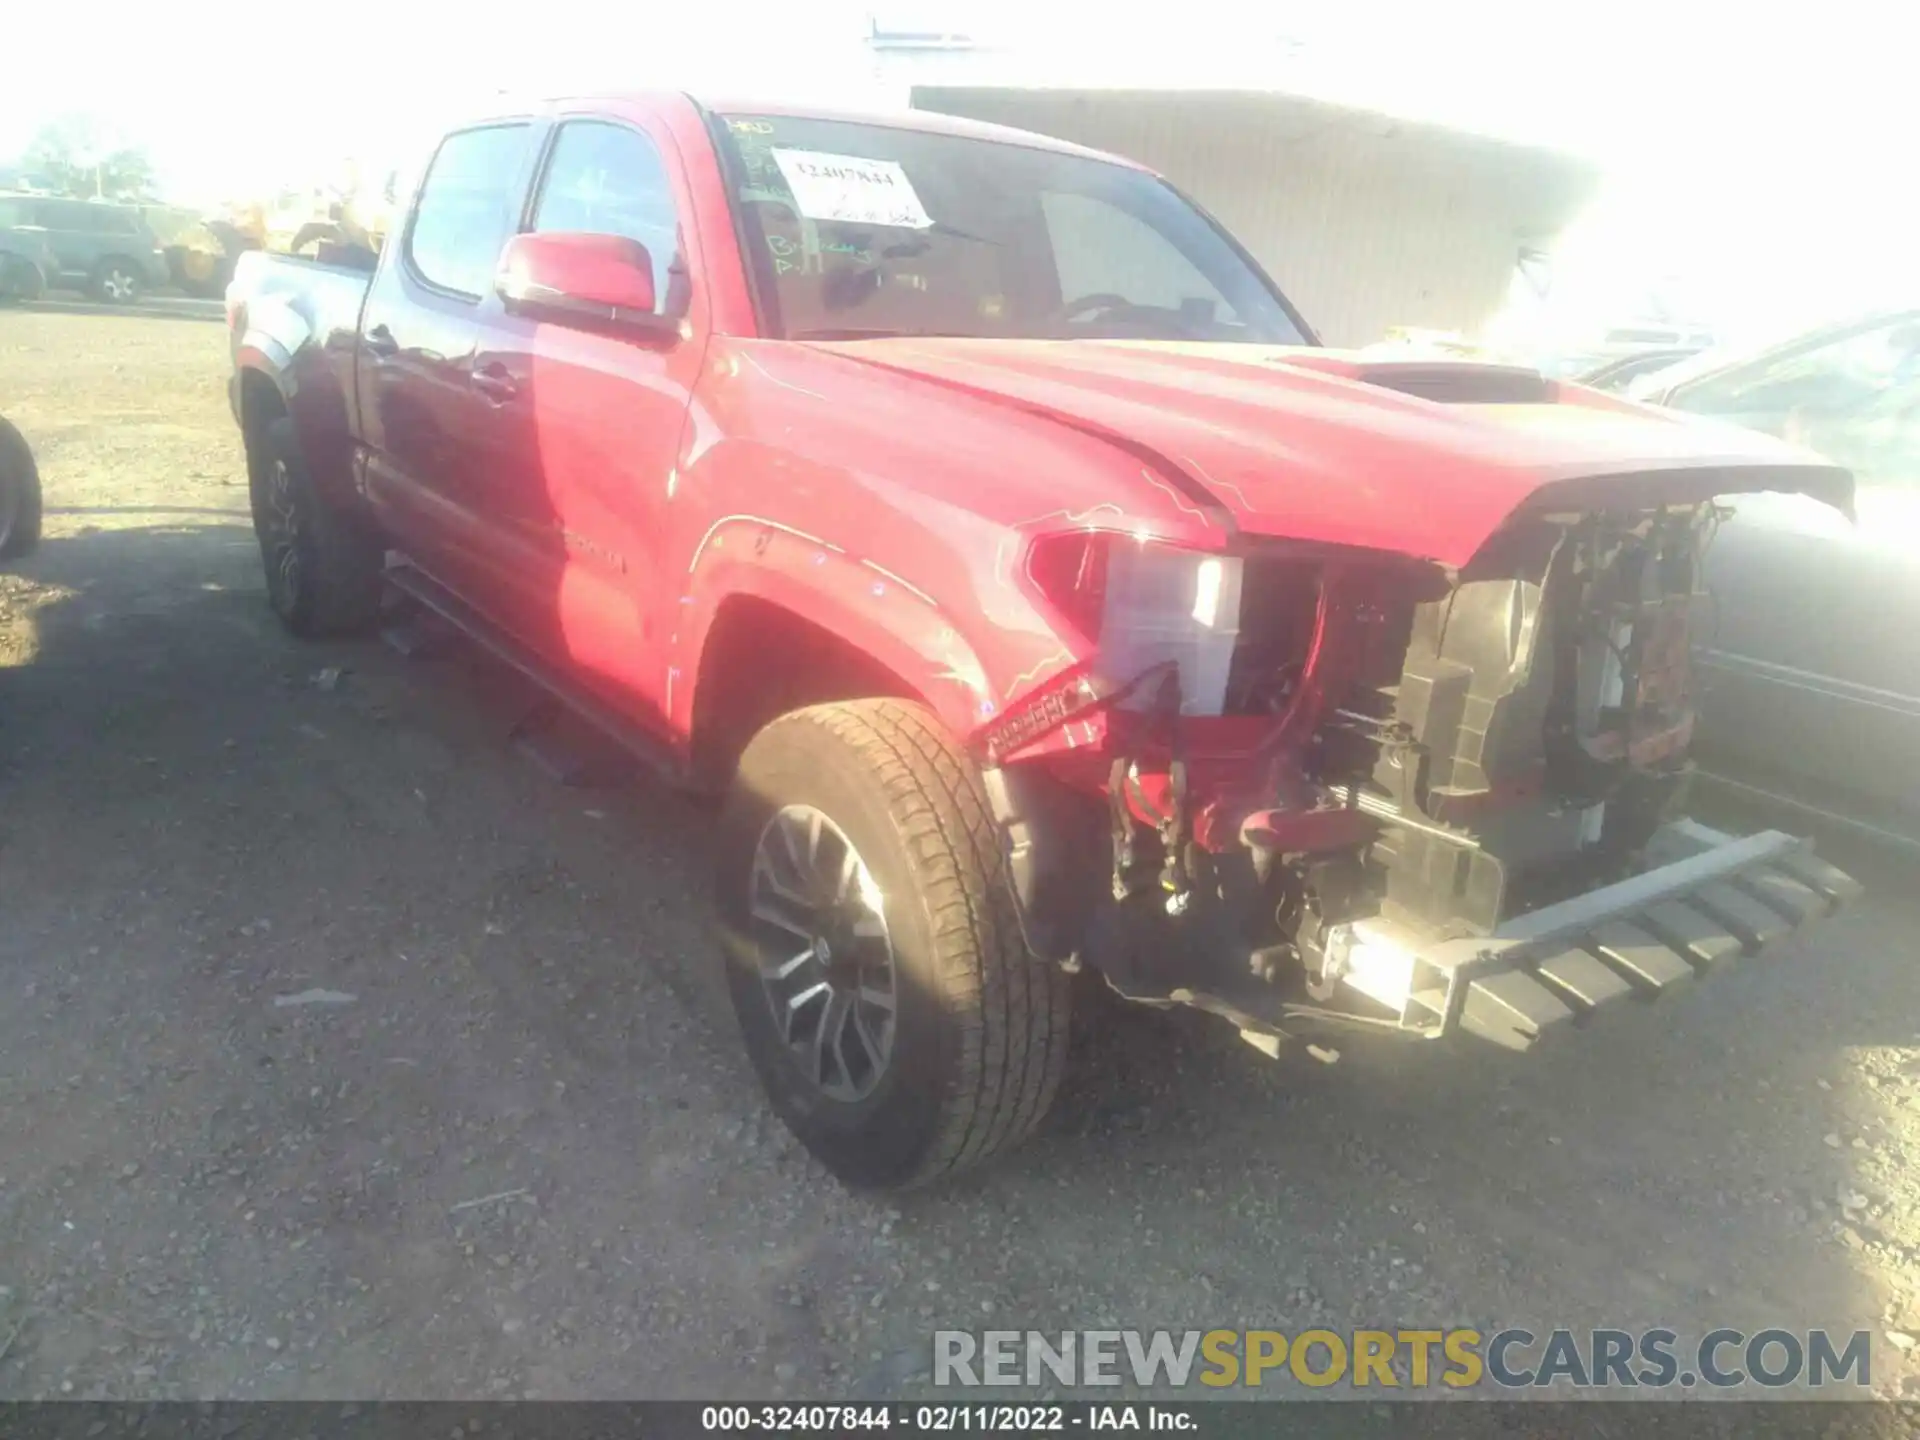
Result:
{"points": [[870, 608]]}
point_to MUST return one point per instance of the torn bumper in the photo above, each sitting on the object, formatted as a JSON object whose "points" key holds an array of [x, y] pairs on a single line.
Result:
{"points": [[1709, 899]]}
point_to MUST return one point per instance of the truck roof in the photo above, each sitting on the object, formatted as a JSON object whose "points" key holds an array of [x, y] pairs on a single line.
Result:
{"points": [[922, 120]]}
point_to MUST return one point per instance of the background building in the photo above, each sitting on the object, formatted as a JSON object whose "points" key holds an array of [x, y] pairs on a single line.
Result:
{"points": [[1370, 220]]}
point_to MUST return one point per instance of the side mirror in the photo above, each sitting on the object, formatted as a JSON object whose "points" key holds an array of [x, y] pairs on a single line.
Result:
{"points": [[595, 280]]}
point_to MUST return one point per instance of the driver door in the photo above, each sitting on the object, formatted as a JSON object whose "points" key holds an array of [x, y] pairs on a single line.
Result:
{"points": [[584, 426]]}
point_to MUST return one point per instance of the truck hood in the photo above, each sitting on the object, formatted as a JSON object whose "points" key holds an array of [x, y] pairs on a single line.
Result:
{"points": [[1419, 457]]}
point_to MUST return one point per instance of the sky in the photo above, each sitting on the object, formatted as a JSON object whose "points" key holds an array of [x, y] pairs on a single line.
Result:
{"points": [[1757, 153], [287, 89]]}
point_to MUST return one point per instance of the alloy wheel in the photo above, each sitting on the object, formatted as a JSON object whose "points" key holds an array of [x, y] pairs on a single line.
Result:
{"points": [[280, 536], [825, 953]]}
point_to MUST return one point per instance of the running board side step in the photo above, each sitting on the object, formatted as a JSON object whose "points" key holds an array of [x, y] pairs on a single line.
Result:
{"points": [[1709, 898], [631, 739]]}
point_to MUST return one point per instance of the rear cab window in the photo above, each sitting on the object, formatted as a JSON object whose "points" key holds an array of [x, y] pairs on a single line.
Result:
{"points": [[468, 206], [857, 229]]}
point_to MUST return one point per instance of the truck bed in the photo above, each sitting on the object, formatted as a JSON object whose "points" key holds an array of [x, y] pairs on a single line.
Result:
{"points": [[325, 295], [299, 317]]}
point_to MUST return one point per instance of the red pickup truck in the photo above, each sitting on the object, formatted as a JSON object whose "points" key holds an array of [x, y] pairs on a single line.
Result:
{"points": [[974, 514]]}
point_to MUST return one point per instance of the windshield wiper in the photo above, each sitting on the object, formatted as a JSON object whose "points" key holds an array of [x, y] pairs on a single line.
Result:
{"points": [[907, 249], [941, 227]]}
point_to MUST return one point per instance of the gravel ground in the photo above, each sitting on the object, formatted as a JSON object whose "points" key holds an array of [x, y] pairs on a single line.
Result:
{"points": [[344, 1055]]}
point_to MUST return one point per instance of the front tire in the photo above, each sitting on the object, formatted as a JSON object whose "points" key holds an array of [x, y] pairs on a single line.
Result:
{"points": [[861, 877], [323, 568], [20, 504]]}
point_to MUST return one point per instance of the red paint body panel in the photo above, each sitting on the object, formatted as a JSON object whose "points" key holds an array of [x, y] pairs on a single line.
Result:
{"points": [[888, 490], [1298, 443]]}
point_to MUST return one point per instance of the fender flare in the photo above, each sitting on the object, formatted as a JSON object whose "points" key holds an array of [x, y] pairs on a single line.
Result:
{"points": [[279, 344], [275, 333], [900, 626], [252, 368]]}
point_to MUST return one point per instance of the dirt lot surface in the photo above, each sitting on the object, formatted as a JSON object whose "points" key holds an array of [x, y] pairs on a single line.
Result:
{"points": [[509, 1147]]}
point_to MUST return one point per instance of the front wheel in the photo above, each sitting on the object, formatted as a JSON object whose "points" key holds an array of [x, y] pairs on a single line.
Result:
{"points": [[115, 282], [887, 999], [323, 569], [19, 495]]}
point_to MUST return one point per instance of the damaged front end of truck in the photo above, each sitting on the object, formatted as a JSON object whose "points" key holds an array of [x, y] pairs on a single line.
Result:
{"points": [[1305, 786]]}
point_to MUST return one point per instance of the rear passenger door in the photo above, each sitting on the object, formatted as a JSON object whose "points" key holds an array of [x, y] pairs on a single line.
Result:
{"points": [[21, 245], [423, 444], [65, 224]]}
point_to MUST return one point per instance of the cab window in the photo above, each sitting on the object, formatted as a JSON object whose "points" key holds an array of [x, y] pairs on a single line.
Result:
{"points": [[467, 208]]}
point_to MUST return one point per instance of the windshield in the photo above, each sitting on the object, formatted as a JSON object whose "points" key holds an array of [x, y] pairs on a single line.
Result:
{"points": [[855, 230]]}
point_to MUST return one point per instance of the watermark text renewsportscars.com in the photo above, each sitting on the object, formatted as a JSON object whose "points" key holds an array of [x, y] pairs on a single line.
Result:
{"points": [[1511, 1359]]}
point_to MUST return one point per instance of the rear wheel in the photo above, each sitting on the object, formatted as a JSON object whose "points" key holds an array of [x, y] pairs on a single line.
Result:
{"points": [[20, 280], [322, 568], [19, 495], [887, 999]]}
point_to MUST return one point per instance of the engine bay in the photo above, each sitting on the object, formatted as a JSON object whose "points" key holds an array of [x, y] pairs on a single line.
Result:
{"points": [[1295, 740]]}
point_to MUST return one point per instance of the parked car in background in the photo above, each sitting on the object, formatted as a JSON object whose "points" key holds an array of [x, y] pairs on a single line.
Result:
{"points": [[1624, 344], [1811, 659], [202, 256], [27, 264], [19, 494], [1622, 370], [107, 250]]}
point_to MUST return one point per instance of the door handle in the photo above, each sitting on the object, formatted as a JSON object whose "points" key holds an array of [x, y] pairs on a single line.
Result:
{"points": [[380, 342], [495, 383]]}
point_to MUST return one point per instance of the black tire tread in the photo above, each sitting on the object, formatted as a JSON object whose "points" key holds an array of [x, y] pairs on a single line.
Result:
{"points": [[17, 468], [345, 576], [1011, 1010]]}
